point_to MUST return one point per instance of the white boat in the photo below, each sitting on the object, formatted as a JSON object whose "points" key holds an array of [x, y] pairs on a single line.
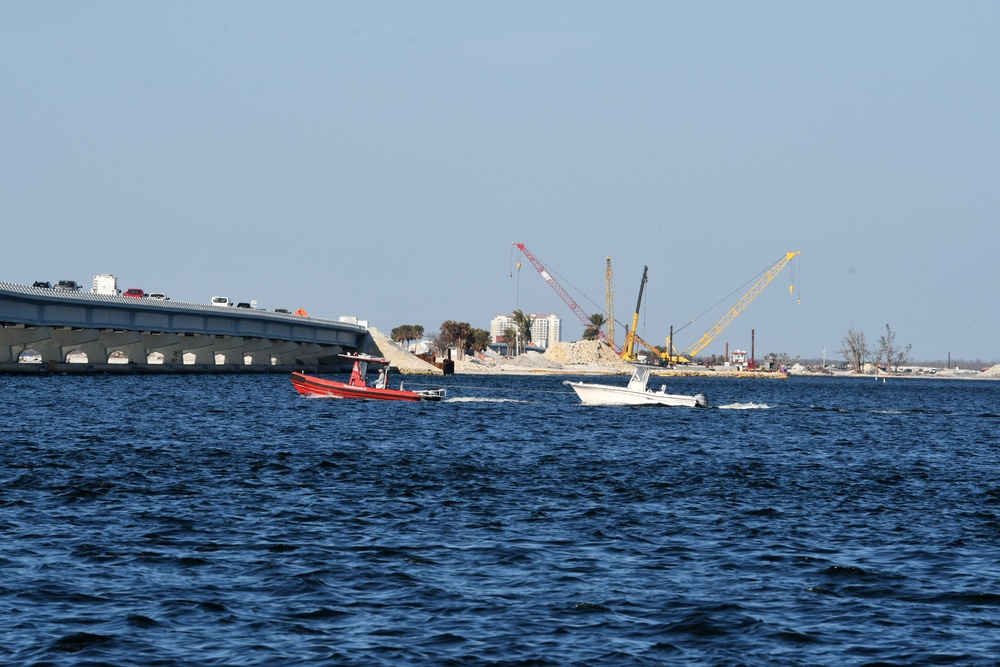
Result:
{"points": [[635, 393]]}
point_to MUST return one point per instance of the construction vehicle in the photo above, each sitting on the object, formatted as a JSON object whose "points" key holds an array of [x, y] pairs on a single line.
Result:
{"points": [[105, 283], [567, 299], [740, 306], [632, 338], [628, 349], [669, 354]]}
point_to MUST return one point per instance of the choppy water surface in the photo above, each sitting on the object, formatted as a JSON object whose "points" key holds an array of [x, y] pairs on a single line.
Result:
{"points": [[229, 521]]}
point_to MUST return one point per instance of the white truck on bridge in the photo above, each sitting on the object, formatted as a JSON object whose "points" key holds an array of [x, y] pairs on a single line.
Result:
{"points": [[105, 283]]}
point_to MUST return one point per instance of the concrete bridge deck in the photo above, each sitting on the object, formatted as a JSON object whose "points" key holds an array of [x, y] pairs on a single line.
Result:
{"points": [[124, 334]]}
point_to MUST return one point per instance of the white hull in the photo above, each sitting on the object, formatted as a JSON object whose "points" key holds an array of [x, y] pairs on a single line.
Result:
{"points": [[635, 393], [604, 394]]}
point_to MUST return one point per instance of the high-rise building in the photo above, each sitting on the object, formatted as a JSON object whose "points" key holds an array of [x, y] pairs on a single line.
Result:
{"points": [[546, 329]]}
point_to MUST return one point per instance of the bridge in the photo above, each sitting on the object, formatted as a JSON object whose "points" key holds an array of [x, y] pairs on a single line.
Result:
{"points": [[54, 328]]}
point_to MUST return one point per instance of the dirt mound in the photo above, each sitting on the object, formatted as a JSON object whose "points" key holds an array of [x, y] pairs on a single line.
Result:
{"points": [[583, 352], [533, 360]]}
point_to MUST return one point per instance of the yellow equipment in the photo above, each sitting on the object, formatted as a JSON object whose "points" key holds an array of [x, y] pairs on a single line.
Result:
{"points": [[631, 338], [758, 287]]}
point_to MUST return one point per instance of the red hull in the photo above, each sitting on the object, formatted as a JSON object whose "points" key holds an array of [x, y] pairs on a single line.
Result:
{"points": [[308, 385]]}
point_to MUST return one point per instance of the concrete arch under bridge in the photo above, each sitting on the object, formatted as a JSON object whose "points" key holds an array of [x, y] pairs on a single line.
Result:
{"points": [[118, 334]]}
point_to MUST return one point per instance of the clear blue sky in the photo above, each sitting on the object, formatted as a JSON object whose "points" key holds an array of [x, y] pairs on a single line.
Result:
{"points": [[378, 159]]}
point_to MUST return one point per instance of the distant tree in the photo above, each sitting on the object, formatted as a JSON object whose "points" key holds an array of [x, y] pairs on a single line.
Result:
{"points": [[593, 330], [510, 338], [783, 358], [435, 343], [887, 351], [523, 324], [481, 340], [458, 335], [407, 333], [855, 349]]}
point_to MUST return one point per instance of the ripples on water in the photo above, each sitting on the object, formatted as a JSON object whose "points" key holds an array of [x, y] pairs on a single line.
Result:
{"points": [[228, 521]]}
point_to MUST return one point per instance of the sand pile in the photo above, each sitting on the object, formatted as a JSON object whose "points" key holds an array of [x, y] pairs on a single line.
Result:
{"points": [[584, 352], [991, 372], [532, 360]]}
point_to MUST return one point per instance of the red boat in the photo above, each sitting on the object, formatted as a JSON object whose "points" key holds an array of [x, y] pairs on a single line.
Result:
{"points": [[358, 387]]}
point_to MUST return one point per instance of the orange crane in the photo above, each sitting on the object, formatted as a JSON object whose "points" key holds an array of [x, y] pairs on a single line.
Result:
{"points": [[567, 299]]}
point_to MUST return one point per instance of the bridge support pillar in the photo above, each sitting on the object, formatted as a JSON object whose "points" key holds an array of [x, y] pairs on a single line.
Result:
{"points": [[129, 342], [17, 339], [201, 347], [84, 340], [257, 351], [230, 348], [282, 353], [304, 353], [173, 347], [164, 343]]}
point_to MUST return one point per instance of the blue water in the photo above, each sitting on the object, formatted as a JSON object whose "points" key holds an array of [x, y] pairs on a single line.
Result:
{"points": [[225, 520]]}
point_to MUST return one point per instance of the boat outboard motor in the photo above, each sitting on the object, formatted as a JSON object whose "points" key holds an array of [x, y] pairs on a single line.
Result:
{"points": [[700, 401]]}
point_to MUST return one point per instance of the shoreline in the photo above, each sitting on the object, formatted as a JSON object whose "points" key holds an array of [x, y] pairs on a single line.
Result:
{"points": [[597, 358], [472, 368]]}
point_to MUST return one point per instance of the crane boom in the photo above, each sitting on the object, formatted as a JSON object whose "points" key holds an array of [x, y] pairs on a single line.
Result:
{"points": [[610, 300], [765, 280], [567, 299], [628, 349]]}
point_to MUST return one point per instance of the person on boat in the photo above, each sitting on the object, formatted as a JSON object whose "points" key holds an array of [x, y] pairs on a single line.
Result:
{"points": [[380, 382]]}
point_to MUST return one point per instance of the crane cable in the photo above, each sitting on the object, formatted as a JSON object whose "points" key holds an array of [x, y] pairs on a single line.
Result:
{"points": [[728, 297], [563, 280]]}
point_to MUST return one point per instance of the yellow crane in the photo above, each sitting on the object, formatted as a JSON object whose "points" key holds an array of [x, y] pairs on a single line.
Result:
{"points": [[631, 338], [758, 287], [628, 349], [609, 287]]}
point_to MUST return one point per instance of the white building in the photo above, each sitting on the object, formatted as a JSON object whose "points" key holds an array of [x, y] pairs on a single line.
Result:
{"points": [[546, 330]]}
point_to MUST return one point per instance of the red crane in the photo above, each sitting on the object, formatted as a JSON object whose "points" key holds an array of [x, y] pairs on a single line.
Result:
{"points": [[554, 284]]}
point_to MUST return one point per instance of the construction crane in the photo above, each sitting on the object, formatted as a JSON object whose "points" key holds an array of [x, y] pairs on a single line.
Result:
{"points": [[758, 287], [628, 349], [610, 297], [631, 338], [554, 284]]}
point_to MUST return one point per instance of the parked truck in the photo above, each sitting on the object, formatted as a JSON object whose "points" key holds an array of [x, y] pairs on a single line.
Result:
{"points": [[105, 283]]}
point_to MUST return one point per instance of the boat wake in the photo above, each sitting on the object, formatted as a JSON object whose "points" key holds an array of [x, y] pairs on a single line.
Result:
{"points": [[745, 406], [483, 399]]}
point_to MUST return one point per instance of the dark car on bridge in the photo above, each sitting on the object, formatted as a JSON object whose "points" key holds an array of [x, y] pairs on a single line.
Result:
{"points": [[43, 283]]}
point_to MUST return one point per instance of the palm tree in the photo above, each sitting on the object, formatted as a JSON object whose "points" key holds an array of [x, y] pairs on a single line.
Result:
{"points": [[593, 330], [523, 324], [510, 337]]}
